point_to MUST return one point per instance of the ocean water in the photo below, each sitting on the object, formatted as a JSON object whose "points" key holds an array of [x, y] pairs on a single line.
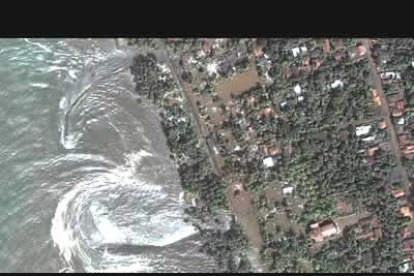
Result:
{"points": [[85, 179]]}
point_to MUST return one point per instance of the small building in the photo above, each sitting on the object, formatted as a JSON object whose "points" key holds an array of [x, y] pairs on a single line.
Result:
{"points": [[406, 211], [297, 89], [382, 124], [398, 193], [337, 83], [326, 46], [288, 190], [295, 51], [397, 113], [376, 97], [372, 151], [362, 130], [369, 138], [321, 231], [268, 162], [390, 75], [360, 52], [401, 105], [400, 121]]}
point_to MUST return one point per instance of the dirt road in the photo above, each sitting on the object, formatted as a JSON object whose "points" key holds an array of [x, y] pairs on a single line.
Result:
{"points": [[385, 114]]}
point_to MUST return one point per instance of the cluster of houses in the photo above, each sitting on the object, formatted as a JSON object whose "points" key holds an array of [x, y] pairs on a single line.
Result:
{"points": [[215, 60], [367, 227]]}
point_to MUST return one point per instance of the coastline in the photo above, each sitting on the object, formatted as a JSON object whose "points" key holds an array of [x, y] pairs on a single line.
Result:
{"points": [[204, 192]]}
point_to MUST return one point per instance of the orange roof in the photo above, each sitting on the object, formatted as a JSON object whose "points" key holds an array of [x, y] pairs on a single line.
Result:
{"points": [[258, 52], [383, 124]]}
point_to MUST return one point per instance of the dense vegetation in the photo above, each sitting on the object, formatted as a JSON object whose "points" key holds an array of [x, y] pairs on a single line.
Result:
{"points": [[196, 173]]}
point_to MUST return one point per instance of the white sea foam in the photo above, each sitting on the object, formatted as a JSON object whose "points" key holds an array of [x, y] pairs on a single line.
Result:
{"points": [[75, 240]]}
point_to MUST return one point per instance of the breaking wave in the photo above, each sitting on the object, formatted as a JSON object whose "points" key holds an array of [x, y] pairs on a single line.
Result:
{"points": [[116, 217]]}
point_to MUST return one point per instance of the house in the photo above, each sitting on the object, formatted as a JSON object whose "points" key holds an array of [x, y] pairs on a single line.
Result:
{"points": [[372, 151], [390, 75], [382, 124], [408, 245], [400, 105], [288, 190], [376, 97], [297, 89], [406, 211], [326, 46], [237, 188], [397, 113], [295, 51], [300, 98], [398, 193], [369, 138], [337, 83], [362, 130], [360, 52], [321, 231], [400, 121], [268, 162]]}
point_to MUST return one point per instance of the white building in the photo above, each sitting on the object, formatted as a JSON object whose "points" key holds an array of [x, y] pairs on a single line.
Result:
{"points": [[297, 89], [337, 83], [295, 51], [268, 162], [300, 98], [391, 75], [362, 130], [288, 190], [369, 139], [401, 121]]}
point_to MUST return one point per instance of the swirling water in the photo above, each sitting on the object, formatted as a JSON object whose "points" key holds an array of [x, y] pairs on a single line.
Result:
{"points": [[85, 182]]}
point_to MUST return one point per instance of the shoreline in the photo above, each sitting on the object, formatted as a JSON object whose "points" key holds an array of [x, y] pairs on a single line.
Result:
{"points": [[197, 174]]}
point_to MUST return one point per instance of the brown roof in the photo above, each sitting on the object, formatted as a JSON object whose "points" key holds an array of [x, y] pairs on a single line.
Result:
{"points": [[287, 73], [400, 105], [258, 52], [360, 51], [339, 45], [397, 113], [275, 151], [406, 211], [372, 151], [326, 46], [317, 63], [382, 124], [306, 61], [398, 193]]}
